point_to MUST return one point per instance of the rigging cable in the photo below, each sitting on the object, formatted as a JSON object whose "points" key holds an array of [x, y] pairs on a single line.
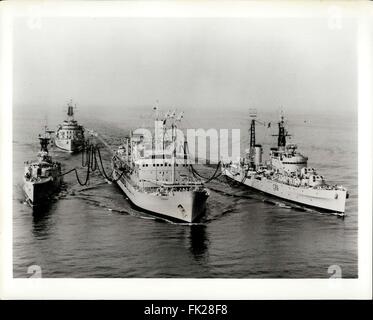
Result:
{"points": [[198, 175], [88, 164], [104, 172], [208, 179], [89, 160]]}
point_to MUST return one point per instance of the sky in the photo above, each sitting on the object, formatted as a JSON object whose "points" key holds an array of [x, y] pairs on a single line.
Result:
{"points": [[109, 64]]}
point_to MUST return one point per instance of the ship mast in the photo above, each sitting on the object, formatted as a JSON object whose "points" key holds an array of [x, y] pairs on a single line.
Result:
{"points": [[44, 140], [173, 156], [254, 156], [282, 133], [252, 114], [70, 110], [159, 123], [174, 133], [160, 132]]}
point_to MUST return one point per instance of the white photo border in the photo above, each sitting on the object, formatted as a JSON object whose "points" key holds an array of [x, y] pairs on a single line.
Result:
{"points": [[210, 289]]}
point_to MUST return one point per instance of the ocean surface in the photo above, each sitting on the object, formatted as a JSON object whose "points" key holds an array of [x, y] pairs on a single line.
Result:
{"points": [[94, 232]]}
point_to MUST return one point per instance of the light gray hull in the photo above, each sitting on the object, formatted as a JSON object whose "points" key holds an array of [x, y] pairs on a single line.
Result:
{"points": [[181, 205], [69, 145], [331, 200]]}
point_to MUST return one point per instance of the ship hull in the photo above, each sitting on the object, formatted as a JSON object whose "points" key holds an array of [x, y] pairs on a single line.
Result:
{"points": [[327, 200], [69, 145], [38, 192], [184, 206]]}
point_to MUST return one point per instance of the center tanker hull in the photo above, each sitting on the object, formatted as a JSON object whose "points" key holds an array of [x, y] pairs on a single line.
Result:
{"points": [[184, 206]]}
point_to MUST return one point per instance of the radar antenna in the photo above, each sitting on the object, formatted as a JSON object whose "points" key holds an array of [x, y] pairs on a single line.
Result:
{"points": [[44, 139], [70, 109], [282, 132]]}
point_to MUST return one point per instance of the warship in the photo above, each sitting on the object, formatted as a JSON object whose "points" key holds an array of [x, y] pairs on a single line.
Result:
{"points": [[286, 175], [155, 175], [41, 177], [70, 135]]}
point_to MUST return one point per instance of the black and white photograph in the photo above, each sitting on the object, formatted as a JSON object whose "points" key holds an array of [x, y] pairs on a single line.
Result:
{"points": [[187, 144]]}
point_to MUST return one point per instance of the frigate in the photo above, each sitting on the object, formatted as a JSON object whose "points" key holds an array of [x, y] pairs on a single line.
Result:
{"points": [[42, 177], [286, 175], [70, 135], [154, 173]]}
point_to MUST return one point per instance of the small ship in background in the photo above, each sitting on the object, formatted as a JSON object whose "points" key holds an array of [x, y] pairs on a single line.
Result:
{"points": [[41, 177], [286, 175], [70, 135], [158, 178]]}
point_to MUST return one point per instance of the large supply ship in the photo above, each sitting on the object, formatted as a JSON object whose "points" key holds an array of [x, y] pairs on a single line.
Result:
{"points": [[70, 135], [41, 177], [286, 175], [155, 173]]}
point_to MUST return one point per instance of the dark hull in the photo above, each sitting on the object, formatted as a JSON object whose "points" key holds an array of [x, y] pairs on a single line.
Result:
{"points": [[37, 193], [69, 145]]}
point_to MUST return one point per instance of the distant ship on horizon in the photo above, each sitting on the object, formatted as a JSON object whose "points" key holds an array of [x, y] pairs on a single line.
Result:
{"points": [[70, 135]]}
